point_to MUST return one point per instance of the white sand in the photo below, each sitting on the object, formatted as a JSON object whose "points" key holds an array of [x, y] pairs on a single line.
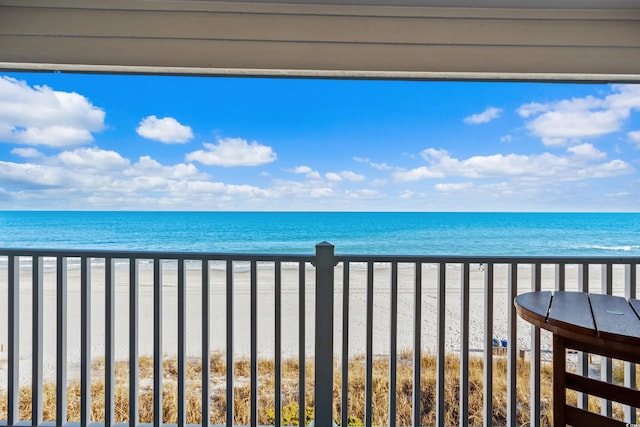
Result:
{"points": [[290, 309]]}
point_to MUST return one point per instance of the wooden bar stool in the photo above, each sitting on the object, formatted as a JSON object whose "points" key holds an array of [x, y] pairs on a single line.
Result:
{"points": [[600, 324]]}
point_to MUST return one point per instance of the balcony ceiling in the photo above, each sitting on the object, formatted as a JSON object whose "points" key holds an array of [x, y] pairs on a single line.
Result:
{"points": [[587, 40]]}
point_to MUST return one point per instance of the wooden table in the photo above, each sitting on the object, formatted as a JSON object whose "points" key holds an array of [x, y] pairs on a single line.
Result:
{"points": [[593, 323]]}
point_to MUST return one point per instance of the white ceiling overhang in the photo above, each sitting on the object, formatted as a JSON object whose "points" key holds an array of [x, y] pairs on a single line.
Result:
{"points": [[422, 39]]}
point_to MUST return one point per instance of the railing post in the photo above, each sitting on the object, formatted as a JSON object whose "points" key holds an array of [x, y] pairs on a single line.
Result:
{"points": [[324, 263]]}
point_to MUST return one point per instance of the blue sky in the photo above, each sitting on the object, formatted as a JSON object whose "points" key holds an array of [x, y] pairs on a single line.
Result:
{"points": [[116, 142]]}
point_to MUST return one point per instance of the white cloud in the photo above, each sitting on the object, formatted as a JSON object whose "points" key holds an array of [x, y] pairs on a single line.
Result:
{"points": [[491, 113], [575, 166], [305, 170], [94, 158], [26, 176], [416, 174], [39, 115], [348, 175], [352, 176], [454, 187], [231, 152], [146, 166], [634, 136], [587, 151], [506, 138], [364, 193], [302, 169], [407, 194], [27, 153], [380, 166], [571, 120], [167, 130]]}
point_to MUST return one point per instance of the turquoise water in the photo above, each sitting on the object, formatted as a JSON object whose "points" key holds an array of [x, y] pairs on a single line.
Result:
{"points": [[570, 234]]}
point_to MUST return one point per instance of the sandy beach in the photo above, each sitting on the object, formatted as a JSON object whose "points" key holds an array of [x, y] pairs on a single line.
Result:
{"points": [[266, 312]]}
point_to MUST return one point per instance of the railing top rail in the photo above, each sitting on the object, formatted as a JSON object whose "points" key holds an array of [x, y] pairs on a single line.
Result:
{"points": [[162, 255], [461, 259]]}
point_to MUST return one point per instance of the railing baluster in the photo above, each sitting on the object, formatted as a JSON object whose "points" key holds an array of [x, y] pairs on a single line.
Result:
{"points": [[278, 344], [606, 366], [37, 333], [109, 346], [182, 351], [157, 342], [206, 344], [302, 410], [325, 263], [630, 277], [512, 291], [488, 347], [229, 404], [393, 345], [560, 277], [464, 347], [133, 342], [368, 399], [440, 357], [61, 341], [13, 362], [583, 358], [534, 398], [253, 380], [417, 344], [345, 344], [85, 341]]}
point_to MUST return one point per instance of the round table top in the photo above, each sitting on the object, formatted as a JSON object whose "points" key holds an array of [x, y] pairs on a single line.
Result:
{"points": [[594, 319]]}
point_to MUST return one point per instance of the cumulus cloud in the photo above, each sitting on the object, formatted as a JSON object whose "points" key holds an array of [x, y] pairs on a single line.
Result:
{"points": [[26, 176], [39, 115], [491, 113], [416, 174], [148, 166], [93, 158], [27, 153], [380, 166], [579, 164], [572, 120], [167, 130], [634, 136], [306, 170], [587, 151], [347, 175], [454, 187], [229, 152], [352, 176], [364, 193], [332, 176]]}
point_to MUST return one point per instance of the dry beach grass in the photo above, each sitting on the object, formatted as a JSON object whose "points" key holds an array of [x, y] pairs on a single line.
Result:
{"points": [[290, 392]]}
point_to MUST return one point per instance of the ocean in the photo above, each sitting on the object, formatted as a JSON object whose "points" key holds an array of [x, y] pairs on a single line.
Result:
{"points": [[498, 234]]}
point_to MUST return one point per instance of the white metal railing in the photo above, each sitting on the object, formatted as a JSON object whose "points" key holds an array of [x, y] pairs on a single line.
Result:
{"points": [[443, 280]]}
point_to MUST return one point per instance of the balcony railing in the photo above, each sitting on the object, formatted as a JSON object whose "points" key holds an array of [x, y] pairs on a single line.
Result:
{"points": [[345, 307]]}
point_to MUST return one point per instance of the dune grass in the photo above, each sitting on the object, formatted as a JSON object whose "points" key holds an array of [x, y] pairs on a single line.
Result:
{"points": [[290, 369]]}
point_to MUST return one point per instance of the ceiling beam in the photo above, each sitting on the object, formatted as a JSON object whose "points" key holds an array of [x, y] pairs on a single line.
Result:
{"points": [[323, 39]]}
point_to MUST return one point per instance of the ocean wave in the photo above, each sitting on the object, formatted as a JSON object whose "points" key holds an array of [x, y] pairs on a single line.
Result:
{"points": [[620, 248]]}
